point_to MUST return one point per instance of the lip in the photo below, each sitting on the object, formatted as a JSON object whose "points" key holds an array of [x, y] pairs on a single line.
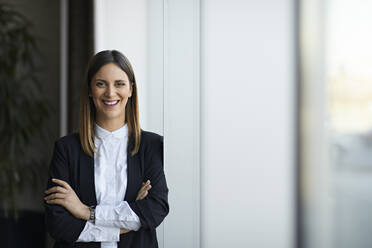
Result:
{"points": [[110, 105]]}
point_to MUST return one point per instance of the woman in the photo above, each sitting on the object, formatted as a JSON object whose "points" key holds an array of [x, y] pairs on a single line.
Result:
{"points": [[107, 186]]}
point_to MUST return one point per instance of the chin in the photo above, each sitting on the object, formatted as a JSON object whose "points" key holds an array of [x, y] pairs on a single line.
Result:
{"points": [[105, 114], [112, 116]]}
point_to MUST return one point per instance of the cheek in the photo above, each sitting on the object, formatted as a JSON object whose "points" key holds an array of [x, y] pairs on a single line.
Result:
{"points": [[95, 95], [125, 93], [96, 99]]}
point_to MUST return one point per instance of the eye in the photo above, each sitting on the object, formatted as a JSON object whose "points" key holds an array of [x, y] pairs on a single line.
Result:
{"points": [[120, 83], [100, 84]]}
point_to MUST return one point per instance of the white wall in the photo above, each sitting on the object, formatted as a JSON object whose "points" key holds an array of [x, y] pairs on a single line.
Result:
{"points": [[122, 25], [246, 103], [155, 66], [182, 122], [136, 29], [247, 135]]}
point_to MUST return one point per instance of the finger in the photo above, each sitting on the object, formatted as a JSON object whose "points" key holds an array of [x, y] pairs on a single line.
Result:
{"points": [[141, 192], [62, 183], [144, 187], [56, 189], [55, 196], [122, 230], [140, 195], [55, 201], [147, 187], [144, 194]]}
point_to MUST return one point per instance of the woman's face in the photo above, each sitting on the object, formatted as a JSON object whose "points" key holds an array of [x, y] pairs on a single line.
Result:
{"points": [[110, 90]]}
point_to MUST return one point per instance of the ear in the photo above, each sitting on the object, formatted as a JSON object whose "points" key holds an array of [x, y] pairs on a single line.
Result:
{"points": [[131, 90]]}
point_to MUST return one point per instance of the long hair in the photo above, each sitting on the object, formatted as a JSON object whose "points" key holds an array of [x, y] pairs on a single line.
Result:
{"points": [[88, 110]]}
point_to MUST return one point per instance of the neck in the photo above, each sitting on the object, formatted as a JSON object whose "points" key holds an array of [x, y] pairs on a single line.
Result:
{"points": [[112, 124]]}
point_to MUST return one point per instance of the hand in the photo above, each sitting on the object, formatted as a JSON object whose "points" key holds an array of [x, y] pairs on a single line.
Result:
{"points": [[65, 196], [123, 230], [142, 193]]}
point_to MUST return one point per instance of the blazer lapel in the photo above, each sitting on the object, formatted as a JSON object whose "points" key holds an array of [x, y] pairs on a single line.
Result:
{"points": [[86, 174], [130, 170]]}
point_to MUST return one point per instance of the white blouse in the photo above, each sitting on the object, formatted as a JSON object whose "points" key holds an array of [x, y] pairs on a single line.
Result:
{"points": [[110, 177]]}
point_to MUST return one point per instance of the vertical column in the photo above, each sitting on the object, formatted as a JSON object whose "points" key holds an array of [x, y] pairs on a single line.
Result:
{"points": [[63, 67], [314, 172], [182, 121]]}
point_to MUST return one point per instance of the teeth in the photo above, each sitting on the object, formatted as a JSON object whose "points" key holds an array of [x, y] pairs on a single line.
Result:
{"points": [[110, 102]]}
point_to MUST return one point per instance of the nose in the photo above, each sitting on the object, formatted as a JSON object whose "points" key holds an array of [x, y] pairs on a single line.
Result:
{"points": [[110, 91]]}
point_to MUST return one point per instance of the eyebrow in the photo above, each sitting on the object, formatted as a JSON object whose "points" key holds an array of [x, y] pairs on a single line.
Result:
{"points": [[119, 80]]}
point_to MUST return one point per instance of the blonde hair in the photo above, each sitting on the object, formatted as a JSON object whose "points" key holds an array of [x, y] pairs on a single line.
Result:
{"points": [[87, 114]]}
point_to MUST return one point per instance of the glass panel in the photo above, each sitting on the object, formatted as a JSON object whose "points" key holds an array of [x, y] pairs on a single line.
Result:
{"points": [[349, 93], [336, 123]]}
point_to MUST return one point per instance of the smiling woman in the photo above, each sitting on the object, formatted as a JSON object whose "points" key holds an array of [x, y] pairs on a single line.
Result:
{"points": [[110, 91], [107, 186]]}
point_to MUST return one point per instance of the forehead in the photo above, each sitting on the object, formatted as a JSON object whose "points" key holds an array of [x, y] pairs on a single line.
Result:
{"points": [[110, 72]]}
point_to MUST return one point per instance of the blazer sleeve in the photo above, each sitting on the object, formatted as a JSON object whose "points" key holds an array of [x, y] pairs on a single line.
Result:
{"points": [[60, 223], [154, 207]]}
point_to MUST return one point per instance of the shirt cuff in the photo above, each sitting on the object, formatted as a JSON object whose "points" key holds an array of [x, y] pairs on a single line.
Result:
{"points": [[96, 233], [120, 216]]}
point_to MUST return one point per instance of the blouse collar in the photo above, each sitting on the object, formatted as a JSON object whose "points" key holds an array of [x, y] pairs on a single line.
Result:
{"points": [[118, 133]]}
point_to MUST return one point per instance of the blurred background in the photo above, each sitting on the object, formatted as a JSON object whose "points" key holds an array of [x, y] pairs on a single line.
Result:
{"points": [[265, 107]]}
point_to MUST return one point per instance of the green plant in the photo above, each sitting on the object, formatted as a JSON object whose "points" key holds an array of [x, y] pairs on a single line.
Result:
{"points": [[23, 109]]}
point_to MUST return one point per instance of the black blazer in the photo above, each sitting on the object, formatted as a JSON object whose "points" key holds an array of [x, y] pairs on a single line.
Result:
{"points": [[69, 163]]}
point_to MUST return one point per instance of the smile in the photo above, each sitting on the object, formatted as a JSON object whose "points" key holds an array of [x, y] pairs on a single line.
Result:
{"points": [[110, 103]]}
